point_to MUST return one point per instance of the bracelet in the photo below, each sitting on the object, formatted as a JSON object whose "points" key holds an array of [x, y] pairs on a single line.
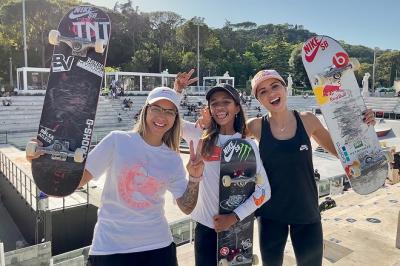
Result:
{"points": [[195, 179]]}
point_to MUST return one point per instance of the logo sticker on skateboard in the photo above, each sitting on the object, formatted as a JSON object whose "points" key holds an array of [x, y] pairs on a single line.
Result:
{"points": [[312, 47]]}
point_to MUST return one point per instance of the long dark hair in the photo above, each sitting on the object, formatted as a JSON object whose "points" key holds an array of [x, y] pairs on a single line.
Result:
{"points": [[210, 135]]}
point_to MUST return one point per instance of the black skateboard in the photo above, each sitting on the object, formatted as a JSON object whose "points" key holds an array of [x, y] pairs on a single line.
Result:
{"points": [[69, 109], [237, 183]]}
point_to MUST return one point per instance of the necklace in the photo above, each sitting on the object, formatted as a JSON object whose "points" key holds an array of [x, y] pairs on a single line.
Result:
{"points": [[284, 126]]}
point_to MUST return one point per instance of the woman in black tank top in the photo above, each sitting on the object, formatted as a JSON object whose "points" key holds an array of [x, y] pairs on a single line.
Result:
{"points": [[285, 148]]}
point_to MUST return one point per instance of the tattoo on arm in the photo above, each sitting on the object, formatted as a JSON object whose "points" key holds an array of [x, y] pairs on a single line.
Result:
{"points": [[189, 199]]}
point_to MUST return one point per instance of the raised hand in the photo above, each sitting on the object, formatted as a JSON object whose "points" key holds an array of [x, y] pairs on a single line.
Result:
{"points": [[183, 80], [195, 166], [204, 120]]}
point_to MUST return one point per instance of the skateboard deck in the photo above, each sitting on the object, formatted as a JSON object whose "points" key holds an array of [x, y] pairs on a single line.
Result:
{"points": [[237, 183], [69, 108], [331, 74]]}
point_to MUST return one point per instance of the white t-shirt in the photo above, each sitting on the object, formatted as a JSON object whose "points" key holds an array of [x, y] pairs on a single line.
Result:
{"points": [[131, 214], [208, 200]]}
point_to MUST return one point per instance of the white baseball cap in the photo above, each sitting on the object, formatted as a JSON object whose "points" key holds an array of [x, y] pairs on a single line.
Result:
{"points": [[163, 93], [264, 75]]}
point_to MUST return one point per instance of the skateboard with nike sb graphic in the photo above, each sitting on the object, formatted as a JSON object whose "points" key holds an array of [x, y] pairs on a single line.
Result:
{"points": [[69, 108], [331, 74], [238, 168]]}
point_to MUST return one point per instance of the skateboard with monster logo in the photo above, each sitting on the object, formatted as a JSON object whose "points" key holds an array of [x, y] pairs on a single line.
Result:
{"points": [[237, 183], [331, 74], [69, 108]]}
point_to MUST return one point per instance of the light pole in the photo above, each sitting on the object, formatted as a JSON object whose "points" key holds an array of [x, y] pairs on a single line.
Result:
{"points": [[11, 75], [24, 29], [373, 71], [198, 54]]}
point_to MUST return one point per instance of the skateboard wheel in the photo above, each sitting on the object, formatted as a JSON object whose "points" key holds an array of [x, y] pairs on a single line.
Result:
{"points": [[355, 64], [355, 171], [54, 37], [226, 180], [256, 261], [223, 262], [99, 46], [78, 155], [259, 179], [31, 148]]}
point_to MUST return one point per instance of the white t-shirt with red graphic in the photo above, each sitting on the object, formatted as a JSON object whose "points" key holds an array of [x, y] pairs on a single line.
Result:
{"points": [[131, 215], [208, 200]]}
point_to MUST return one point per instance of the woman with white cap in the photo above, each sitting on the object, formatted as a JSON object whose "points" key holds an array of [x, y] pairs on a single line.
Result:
{"points": [[140, 165], [285, 149]]}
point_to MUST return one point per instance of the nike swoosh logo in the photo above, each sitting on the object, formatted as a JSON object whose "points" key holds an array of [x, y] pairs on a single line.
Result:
{"points": [[229, 157], [310, 58], [75, 16]]}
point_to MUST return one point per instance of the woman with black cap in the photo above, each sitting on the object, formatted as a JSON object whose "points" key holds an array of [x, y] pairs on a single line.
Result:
{"points": [[227, 121]]}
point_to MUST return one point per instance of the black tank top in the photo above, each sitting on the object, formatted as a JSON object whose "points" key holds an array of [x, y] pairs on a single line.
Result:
{"points": [[288, 163]]}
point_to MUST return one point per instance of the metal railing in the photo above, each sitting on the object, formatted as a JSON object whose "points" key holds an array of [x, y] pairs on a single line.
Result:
{"points": [[20, 180]]}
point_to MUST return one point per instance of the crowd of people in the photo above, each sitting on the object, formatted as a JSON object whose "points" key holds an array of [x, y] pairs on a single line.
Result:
{"points": [[142, 164]]}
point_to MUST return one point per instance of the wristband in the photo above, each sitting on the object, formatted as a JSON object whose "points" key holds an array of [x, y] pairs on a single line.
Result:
{"points": [[195, 179]]}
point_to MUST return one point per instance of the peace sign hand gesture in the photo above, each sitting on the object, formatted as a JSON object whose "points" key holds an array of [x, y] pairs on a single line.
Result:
{"points": [[195, 166], [183, 80]]}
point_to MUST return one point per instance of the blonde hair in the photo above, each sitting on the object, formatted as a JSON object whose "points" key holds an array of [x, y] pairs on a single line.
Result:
{"points": [[171, 138]]}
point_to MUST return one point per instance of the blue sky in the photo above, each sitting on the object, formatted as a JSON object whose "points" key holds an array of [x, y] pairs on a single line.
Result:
{"points": [[369, 23]]}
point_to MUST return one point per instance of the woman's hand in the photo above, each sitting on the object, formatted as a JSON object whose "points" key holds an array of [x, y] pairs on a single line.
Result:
{"points": [[369, 117], [195, 166], [222, 222], [183, 80], [204, 120]]}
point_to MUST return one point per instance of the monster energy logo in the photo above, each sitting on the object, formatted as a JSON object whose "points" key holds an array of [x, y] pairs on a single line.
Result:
{"points": [[244, 151]]}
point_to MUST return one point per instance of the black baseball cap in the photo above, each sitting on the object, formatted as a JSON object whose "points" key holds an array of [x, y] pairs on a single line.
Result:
{"points": [[224, 87]]}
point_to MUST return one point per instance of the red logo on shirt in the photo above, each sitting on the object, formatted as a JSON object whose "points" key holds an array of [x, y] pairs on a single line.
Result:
{"points": [[215, 156], [138, 189]]}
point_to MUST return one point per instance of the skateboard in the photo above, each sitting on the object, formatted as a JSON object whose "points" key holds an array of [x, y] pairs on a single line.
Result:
{"points": [[237, 183], [331, 74], [69, 108]]}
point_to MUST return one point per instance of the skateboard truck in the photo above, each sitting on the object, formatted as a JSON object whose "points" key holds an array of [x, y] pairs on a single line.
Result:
{"points": [[241, 180], [59, 151], [79, 46], [336, 72]]}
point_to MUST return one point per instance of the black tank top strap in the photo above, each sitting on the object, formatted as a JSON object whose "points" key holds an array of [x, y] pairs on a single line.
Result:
{"points": [[301, 131]]}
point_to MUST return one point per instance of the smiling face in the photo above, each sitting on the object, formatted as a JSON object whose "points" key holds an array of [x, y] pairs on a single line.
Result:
{"points": [[160, 118], [223, 109], [271, 93]]}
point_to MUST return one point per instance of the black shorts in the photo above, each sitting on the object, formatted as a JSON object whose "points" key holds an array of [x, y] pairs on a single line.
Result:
{"points": [[163, 256]]}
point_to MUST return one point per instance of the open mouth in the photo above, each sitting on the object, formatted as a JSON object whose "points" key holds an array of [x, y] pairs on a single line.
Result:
{"points": [[159, 125], [221, 115], [275, 101]]}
